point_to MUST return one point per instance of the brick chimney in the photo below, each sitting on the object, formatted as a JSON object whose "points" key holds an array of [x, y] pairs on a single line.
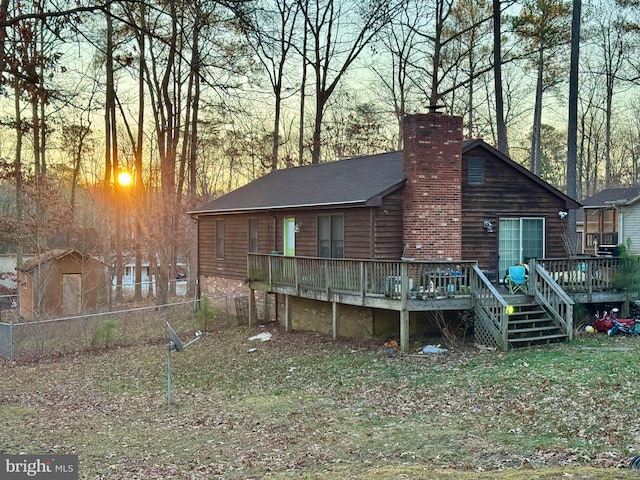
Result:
{"points": [[432, 163]]}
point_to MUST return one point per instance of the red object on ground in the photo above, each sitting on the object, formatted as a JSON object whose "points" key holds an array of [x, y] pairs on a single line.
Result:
{"points": [[605, 323]]}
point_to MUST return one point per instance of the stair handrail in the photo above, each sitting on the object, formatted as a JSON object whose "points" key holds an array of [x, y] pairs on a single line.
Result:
{"points": [[491, 307], [552, 297]]}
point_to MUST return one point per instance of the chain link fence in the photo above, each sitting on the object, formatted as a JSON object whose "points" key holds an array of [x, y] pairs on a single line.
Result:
{"points": [[61, 336], [127, 322]]}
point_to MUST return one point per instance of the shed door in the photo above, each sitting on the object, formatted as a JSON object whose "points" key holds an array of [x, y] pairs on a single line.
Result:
{"points": [[520, 240], [71, 294]]}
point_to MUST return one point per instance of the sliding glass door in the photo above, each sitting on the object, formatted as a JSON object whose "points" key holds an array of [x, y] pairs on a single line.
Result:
{"points": [[519, 240]]}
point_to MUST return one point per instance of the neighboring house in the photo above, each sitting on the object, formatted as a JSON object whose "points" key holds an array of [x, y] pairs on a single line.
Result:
{"points": [[62, 282], [441, 198], [609, 218], [129, 276], [8, 274]]}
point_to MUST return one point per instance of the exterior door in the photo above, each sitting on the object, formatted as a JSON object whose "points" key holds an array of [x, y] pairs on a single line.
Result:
{"points": [[71, 294], [519, 240], [289, 247]]}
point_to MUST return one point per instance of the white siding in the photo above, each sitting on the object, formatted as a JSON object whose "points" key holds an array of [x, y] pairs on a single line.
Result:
{"points": [[630, 227]]}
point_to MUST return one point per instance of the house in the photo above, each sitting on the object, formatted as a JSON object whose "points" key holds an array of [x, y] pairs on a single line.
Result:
{"points": [[62, 282], [147, 275], [609, 218], [441, 198]]}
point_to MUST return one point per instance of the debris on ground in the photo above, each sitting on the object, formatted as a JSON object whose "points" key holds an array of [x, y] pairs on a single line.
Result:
{"points": [[391, 347], [263, 337], [433, 349], [485, 348]]}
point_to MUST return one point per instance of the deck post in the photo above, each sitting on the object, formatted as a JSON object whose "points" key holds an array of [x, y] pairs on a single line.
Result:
{"points": [[531, 284], [335, 315], [287, 313], [363, 282], [404, 313], [404, 330], [252, 307]]}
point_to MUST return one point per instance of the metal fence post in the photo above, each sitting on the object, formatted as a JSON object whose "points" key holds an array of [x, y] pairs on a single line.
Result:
{"points": [[6, 340]]}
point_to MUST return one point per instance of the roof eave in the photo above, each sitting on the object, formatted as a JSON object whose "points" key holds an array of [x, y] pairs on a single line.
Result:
{"points": [[227, 211]]}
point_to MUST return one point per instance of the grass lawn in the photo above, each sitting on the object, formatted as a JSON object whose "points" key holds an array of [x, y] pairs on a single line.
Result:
{"points": [[303, 406]]}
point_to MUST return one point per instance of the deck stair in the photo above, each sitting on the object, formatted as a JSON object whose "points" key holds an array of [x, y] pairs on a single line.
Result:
{"points": [[530, 324]]}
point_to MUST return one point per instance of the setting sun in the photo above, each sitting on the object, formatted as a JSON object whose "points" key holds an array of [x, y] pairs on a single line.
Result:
{"points": [[124, 179]]}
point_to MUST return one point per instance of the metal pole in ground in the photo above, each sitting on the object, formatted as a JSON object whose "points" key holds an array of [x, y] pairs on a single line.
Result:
{"points": [[169, 348]]}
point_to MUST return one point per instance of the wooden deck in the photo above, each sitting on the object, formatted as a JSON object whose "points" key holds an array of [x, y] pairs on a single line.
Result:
{"points": [[418, 286], [556, 284]]}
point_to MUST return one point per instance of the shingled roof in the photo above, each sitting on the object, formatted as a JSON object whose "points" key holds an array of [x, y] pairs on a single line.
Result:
{"points": [[605, 197], [55, 254], [360, 181], [357, 181]]}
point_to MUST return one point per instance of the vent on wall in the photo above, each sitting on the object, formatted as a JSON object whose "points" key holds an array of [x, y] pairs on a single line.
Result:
{"points": [[475, 168]]}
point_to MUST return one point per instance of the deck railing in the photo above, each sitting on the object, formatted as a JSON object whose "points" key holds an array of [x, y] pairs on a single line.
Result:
{"points": [[601, 238], [393, 279], [552, 297], [582, 274], [424, 279], [490, 309]]}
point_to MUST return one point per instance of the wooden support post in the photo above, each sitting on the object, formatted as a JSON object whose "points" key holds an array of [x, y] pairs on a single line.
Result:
{"points": [[404, 330], [287, 313], [533, 280], [404, 313], [252, 307], [335, 315]]}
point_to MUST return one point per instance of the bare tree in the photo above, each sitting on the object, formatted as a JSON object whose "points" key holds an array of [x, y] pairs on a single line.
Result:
{"points": [[271, 36], [613, 50], [339, 32], [399, 41], [543, 24], [590, 134], [452, 55], [467, 55]]}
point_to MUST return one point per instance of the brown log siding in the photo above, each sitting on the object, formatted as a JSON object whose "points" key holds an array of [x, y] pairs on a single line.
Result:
{"points": [[359, 223], [505, 193], [377, 232]]}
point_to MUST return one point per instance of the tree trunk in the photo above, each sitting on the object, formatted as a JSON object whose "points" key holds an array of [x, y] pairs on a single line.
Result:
{"points": [[18, 174], [276, 124], [537, 118], [501, 127], [572, 130], [317, 128], [138, 185], [303, 86], [607, 132]]}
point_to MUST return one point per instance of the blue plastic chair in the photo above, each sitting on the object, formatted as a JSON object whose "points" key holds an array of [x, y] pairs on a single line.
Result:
{"points": [[517, 279]]}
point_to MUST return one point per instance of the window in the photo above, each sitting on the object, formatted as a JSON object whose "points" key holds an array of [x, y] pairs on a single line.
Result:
{"points": [[331, 236], [475, 170], [220, 238], [253, 235]]}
